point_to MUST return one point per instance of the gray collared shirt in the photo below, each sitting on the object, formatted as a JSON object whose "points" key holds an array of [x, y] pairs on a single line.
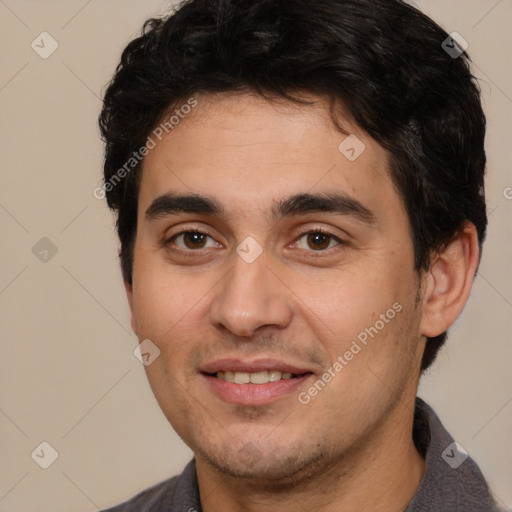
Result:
{"points": [[452, 481]]}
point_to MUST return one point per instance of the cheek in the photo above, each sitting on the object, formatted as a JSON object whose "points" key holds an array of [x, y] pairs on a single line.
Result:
{"points": [[171, 310], [151, 303], [163, 300], [343, 304]]}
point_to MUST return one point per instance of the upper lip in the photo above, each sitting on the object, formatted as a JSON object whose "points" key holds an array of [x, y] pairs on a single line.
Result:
{"points": [[252, 366]]}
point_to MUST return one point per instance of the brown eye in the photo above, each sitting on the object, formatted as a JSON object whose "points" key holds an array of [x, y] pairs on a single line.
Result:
{"points": [[193, 240], [317, 241]]}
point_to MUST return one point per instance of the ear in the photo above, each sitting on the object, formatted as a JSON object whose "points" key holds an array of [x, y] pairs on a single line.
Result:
{"points": [[449, 280], [129, 294]]}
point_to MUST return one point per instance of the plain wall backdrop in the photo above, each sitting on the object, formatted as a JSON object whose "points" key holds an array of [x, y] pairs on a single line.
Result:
{"points": [[68, 375]]}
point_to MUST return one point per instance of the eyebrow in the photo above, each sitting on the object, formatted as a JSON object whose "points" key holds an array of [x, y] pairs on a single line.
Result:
{"points": [[299, 204], [340, 204], [169, 204]]}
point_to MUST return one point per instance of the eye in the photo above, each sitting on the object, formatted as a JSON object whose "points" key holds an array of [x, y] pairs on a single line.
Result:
{"points": [[317, 241], [192, 240]]}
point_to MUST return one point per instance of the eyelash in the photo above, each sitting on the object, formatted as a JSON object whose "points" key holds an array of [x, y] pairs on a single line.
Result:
{"points": [[195, 252], [321, 232], [188, 253]]}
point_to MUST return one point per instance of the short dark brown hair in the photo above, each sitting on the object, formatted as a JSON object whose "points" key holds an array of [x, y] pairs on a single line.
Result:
{"points": [[383, 59]]}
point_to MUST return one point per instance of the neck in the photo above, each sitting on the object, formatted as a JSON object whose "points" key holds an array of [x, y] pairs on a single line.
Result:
{"points": [[384, 474]]}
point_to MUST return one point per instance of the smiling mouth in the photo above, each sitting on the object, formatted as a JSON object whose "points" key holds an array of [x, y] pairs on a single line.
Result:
{"points": [[257, 387], [262, 377]]}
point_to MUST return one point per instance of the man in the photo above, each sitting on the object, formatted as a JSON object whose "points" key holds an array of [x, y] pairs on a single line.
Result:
{"points": [[300, 197]]}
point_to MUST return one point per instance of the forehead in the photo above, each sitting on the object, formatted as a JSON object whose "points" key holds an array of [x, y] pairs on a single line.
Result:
{"points": [[249, 152]]}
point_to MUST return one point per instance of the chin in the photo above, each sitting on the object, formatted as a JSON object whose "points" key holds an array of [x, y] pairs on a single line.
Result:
{"points": [[273, 469]]}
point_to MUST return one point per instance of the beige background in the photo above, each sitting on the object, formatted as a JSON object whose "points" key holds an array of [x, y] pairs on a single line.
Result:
{"points": [[67, 372]]}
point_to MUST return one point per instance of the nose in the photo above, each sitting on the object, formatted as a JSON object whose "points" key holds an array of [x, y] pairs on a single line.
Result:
{"points": [[249, 297]]}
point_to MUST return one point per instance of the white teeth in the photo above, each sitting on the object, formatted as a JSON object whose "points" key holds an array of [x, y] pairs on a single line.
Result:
{"points": [[242, 378], [274, 376], [259, 377], [254, 378]]}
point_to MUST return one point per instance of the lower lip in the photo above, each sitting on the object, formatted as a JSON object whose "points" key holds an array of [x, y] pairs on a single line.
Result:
{"points": [[254, 394]]}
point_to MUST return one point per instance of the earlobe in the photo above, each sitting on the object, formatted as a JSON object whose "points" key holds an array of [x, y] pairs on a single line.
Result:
{"points": [[448, 281], [129, 294]]}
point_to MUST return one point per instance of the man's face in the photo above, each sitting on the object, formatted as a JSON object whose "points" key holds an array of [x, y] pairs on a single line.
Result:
{"points": [[257, 271]]}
